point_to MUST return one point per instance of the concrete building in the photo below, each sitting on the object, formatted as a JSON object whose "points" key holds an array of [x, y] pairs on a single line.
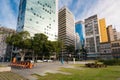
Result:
{"points": [[103, 31], [92, 38], [39, 16], [77, 42], [79, 29], [66, 23], [105, 50], [4, 33], [115, 47], [112, 33], [118, 35]]}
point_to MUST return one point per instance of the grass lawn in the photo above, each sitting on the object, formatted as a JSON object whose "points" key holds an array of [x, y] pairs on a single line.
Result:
{"points": [[82, 73]]}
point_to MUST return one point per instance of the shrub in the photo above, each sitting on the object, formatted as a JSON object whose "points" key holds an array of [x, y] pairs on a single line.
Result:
{"points": [[111, 62]]}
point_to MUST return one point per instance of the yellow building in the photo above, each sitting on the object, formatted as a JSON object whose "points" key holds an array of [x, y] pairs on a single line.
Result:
{"points": [[103, 31]]}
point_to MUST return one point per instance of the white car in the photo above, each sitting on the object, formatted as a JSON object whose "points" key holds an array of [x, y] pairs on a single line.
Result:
{"points": [[50, 61], [39, 61]]}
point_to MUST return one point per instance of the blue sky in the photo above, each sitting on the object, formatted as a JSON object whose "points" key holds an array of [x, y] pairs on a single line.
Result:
{"points": [[108, 9], [8, 13]]}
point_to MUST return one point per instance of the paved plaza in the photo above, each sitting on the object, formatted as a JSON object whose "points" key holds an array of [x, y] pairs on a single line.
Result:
{"points": [[42, 69]]}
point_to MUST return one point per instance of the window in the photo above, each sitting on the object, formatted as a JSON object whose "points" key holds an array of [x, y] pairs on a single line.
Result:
{"points": [[31, 8], [37, 22], [38, 2], [34, 13], [30, 19]]}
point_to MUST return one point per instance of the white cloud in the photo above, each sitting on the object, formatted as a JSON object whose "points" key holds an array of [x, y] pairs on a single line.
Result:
{"points": [[108, 9], [77, 6], [65, 3]]}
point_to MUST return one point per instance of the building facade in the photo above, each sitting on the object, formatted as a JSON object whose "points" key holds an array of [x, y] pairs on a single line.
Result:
{"points": [[77, 42], [4, 33], [105, 50], [115, 47], [79, 29], [66, 32], [38, 16], [103, 31], [92, 38], [112, 33], [118, 35]]}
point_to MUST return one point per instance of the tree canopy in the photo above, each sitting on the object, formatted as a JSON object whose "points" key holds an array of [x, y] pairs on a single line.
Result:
{"points": [[39, 44]]}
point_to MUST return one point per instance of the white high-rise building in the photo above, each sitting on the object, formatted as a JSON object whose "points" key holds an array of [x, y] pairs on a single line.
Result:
{"points": [[92, 38], [66, 25], [39, 16]]}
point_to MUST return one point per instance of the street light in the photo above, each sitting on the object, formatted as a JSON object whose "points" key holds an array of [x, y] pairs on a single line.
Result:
{"points": [[62, 61], [11, 54]]}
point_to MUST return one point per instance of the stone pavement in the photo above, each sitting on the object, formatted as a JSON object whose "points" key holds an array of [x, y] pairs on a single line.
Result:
{"points": [[43, 68]]}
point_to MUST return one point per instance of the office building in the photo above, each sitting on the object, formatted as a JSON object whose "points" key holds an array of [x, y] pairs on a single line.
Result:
{"points": [[4, 33], [105, 50], [92, 38], [78, 45], [38, 16], [112, 33], [115, 47], [118, 35], [103, 31], [79, 29], [66, 32]]}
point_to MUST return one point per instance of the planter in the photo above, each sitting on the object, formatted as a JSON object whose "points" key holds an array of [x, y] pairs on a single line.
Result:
{"points": [[4, 69]]}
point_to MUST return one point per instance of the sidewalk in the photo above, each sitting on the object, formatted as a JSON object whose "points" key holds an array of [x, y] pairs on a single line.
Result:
{"points": [[43, 68]]}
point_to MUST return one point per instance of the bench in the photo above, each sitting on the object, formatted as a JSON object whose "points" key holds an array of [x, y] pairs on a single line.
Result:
{"points": [[94, 65], [22, 64]]}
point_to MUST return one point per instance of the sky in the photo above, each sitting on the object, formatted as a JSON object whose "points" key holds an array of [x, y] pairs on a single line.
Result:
{"points": [[81, 9]]}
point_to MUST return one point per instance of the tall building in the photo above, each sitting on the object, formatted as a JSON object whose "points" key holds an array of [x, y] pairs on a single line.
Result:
{"points": [[118, 35], [105, 50], [103, 31], [66, 24], [79, 29], [38, 16], [115, 47], [112, 33], [4, 33], [77, 42], [92, 39]]}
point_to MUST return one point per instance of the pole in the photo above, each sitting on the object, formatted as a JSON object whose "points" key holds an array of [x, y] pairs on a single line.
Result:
{"points": [[11, 53], [62, 61]]}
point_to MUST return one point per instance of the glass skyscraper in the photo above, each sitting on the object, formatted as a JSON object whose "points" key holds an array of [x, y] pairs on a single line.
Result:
{"points": [[79, 29], [38, 16]]}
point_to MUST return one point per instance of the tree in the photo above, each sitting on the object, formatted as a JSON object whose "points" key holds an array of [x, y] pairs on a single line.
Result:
{"points": [[39, 44], [20, 40], [84, 53], [57, 46], [70, 48]]}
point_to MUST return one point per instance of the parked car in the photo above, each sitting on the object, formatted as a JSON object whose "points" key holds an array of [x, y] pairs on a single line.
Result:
{"points": [[50, 61], [39, 61]]}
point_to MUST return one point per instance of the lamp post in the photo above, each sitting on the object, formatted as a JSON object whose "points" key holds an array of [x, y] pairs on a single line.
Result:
{"points": [[11, 54], [32, 49], [62, 61]]}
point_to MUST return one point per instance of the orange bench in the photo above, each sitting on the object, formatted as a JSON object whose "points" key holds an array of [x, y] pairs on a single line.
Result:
{"points": [[22, 64]]}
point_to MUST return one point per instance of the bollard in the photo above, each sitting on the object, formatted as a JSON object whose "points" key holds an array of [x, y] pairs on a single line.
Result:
{"points": [[74, 60]]}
